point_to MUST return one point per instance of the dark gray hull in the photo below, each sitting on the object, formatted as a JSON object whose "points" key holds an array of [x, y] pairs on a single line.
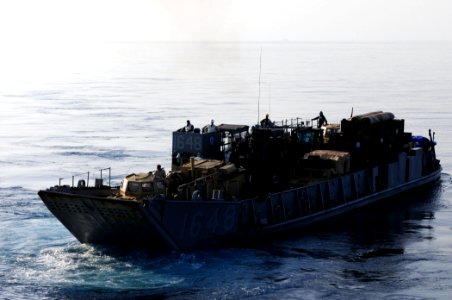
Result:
{"points": [[181, 224], [335, 204], [99, 220]]}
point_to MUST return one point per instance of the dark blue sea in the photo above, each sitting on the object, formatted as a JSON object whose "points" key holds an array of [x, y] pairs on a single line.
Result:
{"points": [[69, 109]]}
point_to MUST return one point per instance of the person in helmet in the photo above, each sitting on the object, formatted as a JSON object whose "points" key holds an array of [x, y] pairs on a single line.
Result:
{"points": [[321, 120], [189, 127], [266, 123]]}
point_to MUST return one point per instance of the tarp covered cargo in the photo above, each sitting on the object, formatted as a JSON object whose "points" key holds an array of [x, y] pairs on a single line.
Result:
{"points": [[340, 159], [374, 117], [202, 167]]}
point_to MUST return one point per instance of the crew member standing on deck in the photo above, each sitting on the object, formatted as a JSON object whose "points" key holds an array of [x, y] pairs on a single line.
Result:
{"points": [[321, 120], [211, 127], [160, 172], [160, 178], [266, 123], [189, 127]]}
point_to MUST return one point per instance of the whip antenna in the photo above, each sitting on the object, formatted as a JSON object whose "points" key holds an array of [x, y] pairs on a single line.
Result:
{"points": [[259, 95], [270, 99]]}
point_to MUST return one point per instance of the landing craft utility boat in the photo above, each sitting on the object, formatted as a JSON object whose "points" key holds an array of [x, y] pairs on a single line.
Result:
{"points": [[238, 183]]}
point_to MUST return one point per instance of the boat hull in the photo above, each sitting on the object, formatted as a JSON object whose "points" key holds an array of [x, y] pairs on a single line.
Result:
{"points": [[343, 205], [99, 220], [182, 224]]}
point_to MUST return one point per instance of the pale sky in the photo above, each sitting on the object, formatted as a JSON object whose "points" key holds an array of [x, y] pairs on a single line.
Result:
{"points": [[225, 20]]}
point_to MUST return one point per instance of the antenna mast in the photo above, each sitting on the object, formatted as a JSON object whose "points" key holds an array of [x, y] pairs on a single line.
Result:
{"points": [[259, 95], [269, 98]]}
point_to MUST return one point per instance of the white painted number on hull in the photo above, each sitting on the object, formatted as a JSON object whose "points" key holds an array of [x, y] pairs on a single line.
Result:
{"points": [[189, 142], [220, 220]]}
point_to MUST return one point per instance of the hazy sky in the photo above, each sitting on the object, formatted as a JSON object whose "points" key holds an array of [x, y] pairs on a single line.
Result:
{"points": [[225, 20]]}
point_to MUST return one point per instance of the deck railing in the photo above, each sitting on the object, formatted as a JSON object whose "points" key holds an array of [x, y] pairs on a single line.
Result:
{"points": [[83, 183]]}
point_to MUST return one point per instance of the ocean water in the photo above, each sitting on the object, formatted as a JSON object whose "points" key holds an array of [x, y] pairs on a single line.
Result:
{"points": [[66, 110]]}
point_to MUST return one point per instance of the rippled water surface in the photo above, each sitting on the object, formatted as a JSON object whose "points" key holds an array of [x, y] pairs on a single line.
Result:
{"points": [[72, 109]]}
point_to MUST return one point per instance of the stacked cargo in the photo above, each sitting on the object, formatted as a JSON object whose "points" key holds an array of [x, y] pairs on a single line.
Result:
{"points": [[211, 179], [201, 167], [374, 137], [323, 164]]}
